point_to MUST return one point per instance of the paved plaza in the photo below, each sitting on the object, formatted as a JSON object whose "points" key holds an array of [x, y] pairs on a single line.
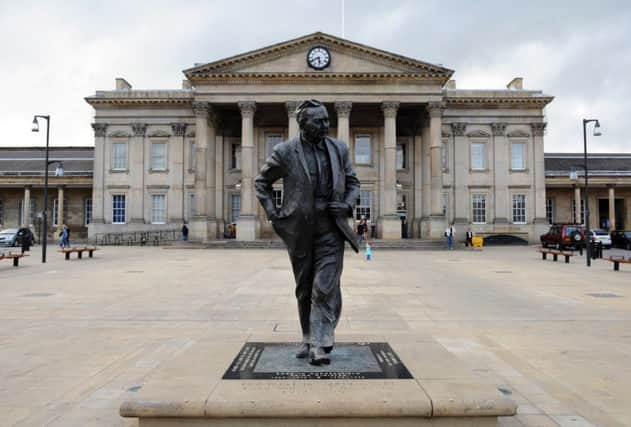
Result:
{"points": [[78, 337]]}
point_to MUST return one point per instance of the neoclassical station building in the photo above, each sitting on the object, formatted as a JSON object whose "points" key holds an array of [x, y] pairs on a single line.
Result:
{"points": [[426, 152]]}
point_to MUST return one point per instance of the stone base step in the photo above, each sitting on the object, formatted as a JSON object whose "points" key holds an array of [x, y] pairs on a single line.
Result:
{"points": [[192, 389], [407, 244]]}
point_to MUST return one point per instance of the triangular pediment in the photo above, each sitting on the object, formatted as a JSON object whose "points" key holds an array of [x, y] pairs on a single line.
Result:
{"points": [[159, 133], [119, 134], [478, 134], [518, 133], [290, 58]]}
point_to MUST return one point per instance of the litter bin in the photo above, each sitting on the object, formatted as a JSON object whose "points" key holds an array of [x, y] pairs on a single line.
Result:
{"points": [[596, 250], [373, 231]]}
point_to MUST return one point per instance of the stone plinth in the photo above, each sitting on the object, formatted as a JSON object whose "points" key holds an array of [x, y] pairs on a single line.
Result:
{"points": [[390, 227], [191, 391], [434, 227]]}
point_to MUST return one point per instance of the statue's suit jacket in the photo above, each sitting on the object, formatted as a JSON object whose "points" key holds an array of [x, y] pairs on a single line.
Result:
{"points": [[296, 216]]}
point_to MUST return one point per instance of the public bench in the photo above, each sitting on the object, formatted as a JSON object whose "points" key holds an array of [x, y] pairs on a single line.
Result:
{"points": [[14, 257], [78, 250], [555, 254], [618, 261]]}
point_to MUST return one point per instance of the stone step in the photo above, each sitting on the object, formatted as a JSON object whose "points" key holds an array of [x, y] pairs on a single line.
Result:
{"points": [[407, 244]]}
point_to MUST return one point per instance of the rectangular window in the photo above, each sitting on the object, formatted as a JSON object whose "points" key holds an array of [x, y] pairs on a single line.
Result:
{"points": [[550, 211], [119, 156], [192, 206], [192, 158], [235, 156], [445, 203], [119, 205], [21, 212], [362, 150], [363, 205], [270, 142], [478, 156], [519, 208], [582, 210], [402, 156], [64, 218], [158, 208], [518, 156], [158, 156], [478, 208], [87, 211], [278, 198], [235, 207]]}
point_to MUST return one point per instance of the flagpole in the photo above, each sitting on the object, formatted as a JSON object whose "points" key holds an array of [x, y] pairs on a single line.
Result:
{"points": [[343, 32]]}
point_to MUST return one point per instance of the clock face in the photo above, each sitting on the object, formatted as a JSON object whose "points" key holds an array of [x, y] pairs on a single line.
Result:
{"points": [[319, 57]]}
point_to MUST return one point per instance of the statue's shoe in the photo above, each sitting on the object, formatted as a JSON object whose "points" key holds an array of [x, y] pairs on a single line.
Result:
{"points": [[303, 351], [318, 357]]}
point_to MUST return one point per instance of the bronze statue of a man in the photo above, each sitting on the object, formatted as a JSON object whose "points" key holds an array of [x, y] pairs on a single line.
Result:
{"points": [[320, 190]]}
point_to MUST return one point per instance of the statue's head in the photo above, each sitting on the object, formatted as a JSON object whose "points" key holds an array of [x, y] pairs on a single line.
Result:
{"points": [[313, 120]]}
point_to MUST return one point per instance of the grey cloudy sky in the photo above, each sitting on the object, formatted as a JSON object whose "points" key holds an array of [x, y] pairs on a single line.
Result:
{"points": [[54, 53]]}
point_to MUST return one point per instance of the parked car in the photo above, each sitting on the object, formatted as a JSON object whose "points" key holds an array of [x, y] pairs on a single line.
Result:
{"points": [[621, 239], [564, 236], [601, 236], [8, 237]]}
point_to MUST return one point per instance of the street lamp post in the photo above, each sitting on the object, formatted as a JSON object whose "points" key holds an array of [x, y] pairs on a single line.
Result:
{"points": [[59, 171], [588, 238]]}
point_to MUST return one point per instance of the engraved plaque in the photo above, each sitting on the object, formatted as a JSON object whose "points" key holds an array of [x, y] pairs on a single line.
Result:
{"points": [[353, 361]]}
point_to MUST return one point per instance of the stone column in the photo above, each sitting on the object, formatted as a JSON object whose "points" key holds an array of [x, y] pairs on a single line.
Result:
{"points": [[219, 175], [612, 208], [390, 223], [175, 158], [577, 204], [137, 173], [460, 174], [418, 182], [539, 190], [292, 116], [343, 109], [198, 226], [500, 166], [98, 193], [246, 224], [26, 207], [437, 219], [60, 205]]}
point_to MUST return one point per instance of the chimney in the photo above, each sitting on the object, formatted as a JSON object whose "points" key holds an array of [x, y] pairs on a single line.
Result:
{"points": [[122, 84], [451, 84], [516, 84]]}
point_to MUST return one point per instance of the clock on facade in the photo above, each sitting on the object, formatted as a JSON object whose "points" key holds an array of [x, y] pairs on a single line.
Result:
{"points": [[319, 57]]}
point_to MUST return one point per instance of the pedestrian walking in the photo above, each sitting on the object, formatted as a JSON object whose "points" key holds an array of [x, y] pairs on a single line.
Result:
{"points": [[368, 252], [469, 238], [362, 229], [64, 242], [184, 232], [450, 232]]}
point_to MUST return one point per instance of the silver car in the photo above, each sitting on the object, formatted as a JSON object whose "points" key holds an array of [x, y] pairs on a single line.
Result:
{"points": [[601, 236], [8, 237]]}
